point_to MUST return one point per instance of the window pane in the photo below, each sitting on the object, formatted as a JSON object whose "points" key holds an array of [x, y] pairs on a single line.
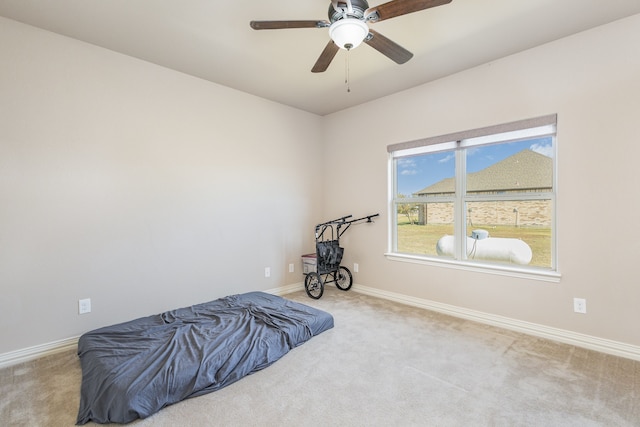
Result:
{"points": [[515, 167], [422, 225], [512, 232], [429, 174], [477, 198]]}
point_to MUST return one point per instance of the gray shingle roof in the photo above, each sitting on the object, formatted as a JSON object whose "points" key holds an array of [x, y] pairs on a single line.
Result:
{"points": [[525, 170]]}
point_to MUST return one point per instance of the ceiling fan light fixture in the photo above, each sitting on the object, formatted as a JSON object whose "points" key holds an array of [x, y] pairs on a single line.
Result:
{"points": [[348, 33]]}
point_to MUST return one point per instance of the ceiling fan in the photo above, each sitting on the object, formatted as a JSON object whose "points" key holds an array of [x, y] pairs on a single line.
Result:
{"points": [[348, 27]]}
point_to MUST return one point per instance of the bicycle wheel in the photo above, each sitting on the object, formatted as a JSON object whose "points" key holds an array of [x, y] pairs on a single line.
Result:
{"points": [[343, 278], [313, 285]]}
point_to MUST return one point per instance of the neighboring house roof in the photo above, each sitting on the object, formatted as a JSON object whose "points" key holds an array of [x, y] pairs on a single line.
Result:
{"points": [[525, 170]]}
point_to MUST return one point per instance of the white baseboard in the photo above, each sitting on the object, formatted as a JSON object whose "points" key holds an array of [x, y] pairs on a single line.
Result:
{"points": [[287, 289], [602, 345], [568, 337], [37, 351]]}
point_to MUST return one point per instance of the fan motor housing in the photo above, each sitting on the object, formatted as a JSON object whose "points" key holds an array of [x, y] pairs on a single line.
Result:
{"points": [[358, 6]]}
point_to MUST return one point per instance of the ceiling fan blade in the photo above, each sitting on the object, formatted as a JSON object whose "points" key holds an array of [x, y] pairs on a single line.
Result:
{"points": [[278, 25], [326, 57], [389, 48], [401, 7]]}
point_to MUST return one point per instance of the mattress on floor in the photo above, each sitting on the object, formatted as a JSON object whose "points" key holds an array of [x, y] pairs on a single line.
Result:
{"points": [[133, 369]]}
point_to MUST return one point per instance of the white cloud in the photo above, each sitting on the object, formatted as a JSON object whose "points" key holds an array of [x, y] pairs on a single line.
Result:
{"points": [[406, 163], [446, 158], [471, 151], [407, 167], [544, 149]]}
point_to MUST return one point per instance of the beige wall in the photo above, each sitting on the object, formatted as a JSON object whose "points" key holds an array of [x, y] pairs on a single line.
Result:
{"points": [[139, 187], [591, 81]]}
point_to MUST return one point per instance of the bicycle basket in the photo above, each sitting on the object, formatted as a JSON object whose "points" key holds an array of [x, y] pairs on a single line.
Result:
{"points": [[329, 255]]}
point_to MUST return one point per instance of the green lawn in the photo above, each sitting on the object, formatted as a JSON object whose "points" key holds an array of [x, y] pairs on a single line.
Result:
{"points": [[422, 239]]}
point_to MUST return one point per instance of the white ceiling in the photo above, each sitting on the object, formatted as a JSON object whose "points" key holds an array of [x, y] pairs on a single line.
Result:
{"points": [[211, 39]]}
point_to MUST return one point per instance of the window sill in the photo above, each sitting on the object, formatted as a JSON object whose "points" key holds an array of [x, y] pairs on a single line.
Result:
{"points": [[542, 275]]}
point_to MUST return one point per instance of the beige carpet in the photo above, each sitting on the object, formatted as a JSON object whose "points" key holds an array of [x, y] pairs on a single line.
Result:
{"points": [[384, 364]]}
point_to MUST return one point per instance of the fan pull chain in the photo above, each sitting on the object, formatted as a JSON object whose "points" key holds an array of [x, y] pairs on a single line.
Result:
{"points": [[346, 71]]}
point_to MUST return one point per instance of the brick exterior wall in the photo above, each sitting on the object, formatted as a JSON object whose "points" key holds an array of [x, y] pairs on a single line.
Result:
{"points": [[518, 213]]}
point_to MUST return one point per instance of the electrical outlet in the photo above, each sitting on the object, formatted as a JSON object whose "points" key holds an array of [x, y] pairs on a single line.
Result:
{"points": [[84, 306], [291, 268], [356, 267], [267, 272], [580, 305]]}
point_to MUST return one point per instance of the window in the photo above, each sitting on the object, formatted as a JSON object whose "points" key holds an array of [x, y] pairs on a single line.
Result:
{"points": [[483, 198]]}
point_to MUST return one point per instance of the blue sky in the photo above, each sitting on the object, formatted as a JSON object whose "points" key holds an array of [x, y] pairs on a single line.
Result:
{"points": [[418, 172]]}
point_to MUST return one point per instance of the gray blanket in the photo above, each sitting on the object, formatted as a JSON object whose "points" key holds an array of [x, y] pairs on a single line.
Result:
{"points": [[133, 369]]}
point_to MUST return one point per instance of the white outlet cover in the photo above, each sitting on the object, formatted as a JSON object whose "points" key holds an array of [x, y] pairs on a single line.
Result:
{"points": [[84, 306], [580, 305]]}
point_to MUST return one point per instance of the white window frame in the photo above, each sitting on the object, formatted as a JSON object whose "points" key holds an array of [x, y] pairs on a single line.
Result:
{"points": [[544, 126]]}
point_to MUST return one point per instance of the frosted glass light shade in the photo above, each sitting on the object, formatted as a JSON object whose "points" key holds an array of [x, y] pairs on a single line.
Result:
{"points": [[348, 33]]}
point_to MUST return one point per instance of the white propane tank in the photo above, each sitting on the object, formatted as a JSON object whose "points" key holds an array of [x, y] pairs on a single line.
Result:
{"points": [[511, 250]]}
